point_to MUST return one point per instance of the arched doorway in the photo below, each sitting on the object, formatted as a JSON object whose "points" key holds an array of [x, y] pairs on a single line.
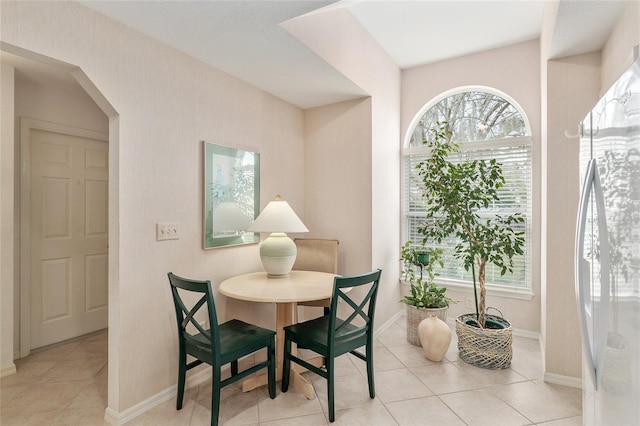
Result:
{"points": [[65, 78]]}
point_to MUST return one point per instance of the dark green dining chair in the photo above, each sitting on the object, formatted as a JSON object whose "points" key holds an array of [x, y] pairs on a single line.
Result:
{"points": [[218, 345], [331, 336]]}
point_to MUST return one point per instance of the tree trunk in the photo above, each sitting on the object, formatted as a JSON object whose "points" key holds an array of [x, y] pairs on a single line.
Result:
{"points": [[481, 304]]}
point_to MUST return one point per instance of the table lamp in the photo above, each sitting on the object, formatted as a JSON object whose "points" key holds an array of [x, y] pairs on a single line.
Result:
{"points": [[278, 252]]}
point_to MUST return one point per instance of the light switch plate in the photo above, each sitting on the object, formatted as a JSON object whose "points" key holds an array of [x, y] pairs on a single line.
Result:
{"points": [[167, 231]]}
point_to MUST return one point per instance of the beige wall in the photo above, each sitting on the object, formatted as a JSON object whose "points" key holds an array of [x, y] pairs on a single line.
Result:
{"points": [[58, 104], [335, 183], [572, 89], [513, 70], [7, 87], [617, 53], [546, 37], [371, 166], [167, 103]]}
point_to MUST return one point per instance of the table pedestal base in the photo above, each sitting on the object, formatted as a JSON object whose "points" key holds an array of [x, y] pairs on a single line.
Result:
{"points": [[285, 315], [297, 380]]}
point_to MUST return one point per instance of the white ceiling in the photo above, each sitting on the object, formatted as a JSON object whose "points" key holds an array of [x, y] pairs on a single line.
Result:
{"points": [[244, 38], [419, 32]]}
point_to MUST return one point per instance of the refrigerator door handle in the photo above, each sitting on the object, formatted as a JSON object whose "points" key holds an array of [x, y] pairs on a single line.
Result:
{"points": [[602, 323], [581, 269], [595, 353]]}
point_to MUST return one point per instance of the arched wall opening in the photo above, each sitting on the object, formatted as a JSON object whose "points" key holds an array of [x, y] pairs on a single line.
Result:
{"points": [[62, 76]]}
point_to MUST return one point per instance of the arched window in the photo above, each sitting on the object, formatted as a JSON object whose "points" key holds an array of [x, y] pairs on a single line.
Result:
{"points": [[489, 125]]}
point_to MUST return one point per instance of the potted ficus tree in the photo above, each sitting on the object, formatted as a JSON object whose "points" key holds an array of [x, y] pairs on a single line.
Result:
{"points": [[424, 298], [456, 193]]}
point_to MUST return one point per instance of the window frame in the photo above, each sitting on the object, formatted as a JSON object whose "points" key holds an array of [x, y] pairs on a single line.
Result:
{"points": [[521, 292]]}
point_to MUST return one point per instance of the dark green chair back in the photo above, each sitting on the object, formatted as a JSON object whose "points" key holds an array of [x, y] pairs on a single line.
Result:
{"points": [[331, 336], [357, 327], [202, 342], [217, 345]]}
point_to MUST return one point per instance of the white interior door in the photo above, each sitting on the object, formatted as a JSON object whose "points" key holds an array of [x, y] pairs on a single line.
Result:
{"points": [[68, 236]]}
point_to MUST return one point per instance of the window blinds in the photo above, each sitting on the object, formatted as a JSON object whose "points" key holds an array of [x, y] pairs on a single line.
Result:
{"points": [[514, 154]]}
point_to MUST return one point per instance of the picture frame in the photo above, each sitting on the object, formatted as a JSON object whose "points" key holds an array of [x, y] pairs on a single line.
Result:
{"points": [[231, 193]]}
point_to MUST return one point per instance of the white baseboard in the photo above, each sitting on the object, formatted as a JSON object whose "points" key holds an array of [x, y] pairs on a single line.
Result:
{"points": [[557, 379], [117, 419], [8, 370], [526, 333], [378, 332]]}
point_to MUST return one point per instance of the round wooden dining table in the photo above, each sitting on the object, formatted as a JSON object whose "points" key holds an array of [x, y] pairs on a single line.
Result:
{"points": [[285, 292]]}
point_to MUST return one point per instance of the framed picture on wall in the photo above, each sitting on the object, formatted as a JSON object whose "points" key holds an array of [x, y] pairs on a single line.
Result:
{"points": [[231, 188]]}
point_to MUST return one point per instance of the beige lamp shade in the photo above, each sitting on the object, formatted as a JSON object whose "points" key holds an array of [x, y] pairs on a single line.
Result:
{"points": [[278, 252], [278, 216]]}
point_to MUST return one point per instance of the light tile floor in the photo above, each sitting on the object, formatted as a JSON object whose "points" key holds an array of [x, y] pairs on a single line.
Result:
{"points": [[67, 385]]}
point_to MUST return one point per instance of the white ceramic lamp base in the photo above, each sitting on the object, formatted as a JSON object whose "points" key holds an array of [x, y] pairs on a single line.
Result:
{"points": [[278, 253]]}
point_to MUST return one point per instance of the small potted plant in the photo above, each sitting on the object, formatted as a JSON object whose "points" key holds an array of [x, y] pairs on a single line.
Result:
{"points": [[425, 298]]}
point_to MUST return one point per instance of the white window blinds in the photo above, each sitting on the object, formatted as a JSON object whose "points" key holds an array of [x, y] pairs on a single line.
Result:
{"points": [[514, 154]]}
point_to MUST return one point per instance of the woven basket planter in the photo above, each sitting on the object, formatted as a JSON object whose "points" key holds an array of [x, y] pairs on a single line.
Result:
{"points": [[415, 317], [485, 347]]}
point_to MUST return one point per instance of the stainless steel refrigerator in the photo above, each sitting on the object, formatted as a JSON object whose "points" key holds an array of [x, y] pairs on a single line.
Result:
{"points": [[607, 265]]}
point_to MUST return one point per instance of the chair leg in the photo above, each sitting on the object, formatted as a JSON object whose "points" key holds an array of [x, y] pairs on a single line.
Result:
{"points": [[271, 369], [372, 386], [331, 388], [215, 395], [234, 367], [182, 376], [286, 364]]}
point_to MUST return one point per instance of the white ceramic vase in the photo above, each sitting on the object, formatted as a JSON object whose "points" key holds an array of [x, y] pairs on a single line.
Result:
{"points": [[435, 337]]}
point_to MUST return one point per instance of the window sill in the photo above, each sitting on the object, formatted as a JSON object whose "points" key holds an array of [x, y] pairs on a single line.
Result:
{"points": [[494, 290]]}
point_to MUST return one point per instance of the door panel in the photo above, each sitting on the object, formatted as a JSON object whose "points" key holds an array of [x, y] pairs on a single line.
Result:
{"points": [[69, 235], [96, 193], [95, 282], [55, 289], [56, 201]]}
